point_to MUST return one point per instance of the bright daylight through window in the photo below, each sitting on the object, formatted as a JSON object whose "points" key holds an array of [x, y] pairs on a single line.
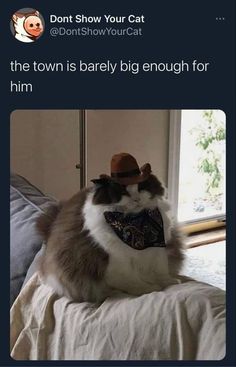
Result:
{"points": [[202, 165]]}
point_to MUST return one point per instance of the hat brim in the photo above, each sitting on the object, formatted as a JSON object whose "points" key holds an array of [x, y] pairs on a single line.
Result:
{"points": [[145, 172], [132, 180]]}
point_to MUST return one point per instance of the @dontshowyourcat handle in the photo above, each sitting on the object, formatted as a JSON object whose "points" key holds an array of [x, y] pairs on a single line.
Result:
{"points": [[115, 236]]}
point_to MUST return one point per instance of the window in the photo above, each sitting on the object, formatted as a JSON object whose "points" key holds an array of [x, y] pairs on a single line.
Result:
{"points": [[197, 164]]}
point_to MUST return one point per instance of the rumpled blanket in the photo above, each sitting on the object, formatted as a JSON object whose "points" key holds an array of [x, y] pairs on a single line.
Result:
{"points": [[184, 322]]}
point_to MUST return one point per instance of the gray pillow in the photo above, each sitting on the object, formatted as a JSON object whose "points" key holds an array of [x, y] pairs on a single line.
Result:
{"points": [[35, 264], [26, 204]]}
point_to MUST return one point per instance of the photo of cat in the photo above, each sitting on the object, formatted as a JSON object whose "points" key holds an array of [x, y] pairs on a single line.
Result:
{"points": [[113, 255], [117, 235]]}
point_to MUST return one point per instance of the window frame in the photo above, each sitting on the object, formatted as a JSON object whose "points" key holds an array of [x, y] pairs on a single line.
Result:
{"points": [[173, 176]]}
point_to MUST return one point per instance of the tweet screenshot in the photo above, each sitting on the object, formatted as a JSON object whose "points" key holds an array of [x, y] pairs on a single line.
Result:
{"points": [[118, 161]]}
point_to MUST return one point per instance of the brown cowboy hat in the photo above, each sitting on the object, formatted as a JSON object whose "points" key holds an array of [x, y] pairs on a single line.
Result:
{"points": [[125, 170]]}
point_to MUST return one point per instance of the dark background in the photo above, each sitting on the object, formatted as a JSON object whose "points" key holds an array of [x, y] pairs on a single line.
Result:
{"points": [[174, 30]]}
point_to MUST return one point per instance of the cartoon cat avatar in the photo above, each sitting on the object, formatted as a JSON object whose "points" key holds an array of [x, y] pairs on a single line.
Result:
{"points": [[28, 27]]}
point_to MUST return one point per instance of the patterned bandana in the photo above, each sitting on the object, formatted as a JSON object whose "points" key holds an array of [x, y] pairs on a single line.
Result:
{"points": [[140, 230]]}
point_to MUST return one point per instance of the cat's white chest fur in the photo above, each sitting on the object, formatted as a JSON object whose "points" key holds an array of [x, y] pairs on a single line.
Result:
{"points": [[130, 270]]}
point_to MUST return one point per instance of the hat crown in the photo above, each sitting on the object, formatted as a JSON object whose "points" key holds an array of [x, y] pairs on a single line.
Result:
{"points": [[123, 162], [125, 170]]}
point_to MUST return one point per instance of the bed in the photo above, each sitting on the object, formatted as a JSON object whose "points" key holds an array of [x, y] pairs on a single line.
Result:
{"points": [[184, 322]]}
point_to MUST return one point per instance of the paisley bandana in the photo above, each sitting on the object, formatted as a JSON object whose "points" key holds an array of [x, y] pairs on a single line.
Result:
{"points": [[140, 230]]}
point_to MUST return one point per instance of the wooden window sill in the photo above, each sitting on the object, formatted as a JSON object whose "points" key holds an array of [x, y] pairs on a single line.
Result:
{"points": [[206, 237]]}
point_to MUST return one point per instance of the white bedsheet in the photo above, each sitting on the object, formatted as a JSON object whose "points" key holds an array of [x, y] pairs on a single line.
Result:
{"points": [[184, 322]]}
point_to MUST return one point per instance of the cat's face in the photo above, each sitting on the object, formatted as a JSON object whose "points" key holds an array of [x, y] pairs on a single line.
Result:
{"points": [[33, 25], [131, 198]]}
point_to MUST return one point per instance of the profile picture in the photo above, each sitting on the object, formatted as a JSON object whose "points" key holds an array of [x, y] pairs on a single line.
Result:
{"points": [[27, 25]]}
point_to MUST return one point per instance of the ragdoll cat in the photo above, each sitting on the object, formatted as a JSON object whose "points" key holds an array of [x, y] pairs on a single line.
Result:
{"points": [[111, 237]]}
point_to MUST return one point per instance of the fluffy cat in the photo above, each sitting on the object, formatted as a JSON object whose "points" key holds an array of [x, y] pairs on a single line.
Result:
{"points": [[86, 260]]}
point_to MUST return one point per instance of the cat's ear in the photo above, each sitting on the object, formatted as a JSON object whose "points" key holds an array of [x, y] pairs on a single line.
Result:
{"points": [[16, 16], [99, 182], [103, 180]]}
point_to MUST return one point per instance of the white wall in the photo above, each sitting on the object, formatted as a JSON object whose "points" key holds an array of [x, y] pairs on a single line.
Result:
{"points": [[45, 144], [142, 133], [45, 149]]}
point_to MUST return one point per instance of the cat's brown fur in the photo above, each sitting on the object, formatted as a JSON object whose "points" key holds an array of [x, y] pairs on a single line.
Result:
{"points": [[175, 247], [76, 259]]}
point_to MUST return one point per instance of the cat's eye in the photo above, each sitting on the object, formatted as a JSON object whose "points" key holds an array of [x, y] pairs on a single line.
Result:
{"points": [[37, 24], [31, 25]]}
